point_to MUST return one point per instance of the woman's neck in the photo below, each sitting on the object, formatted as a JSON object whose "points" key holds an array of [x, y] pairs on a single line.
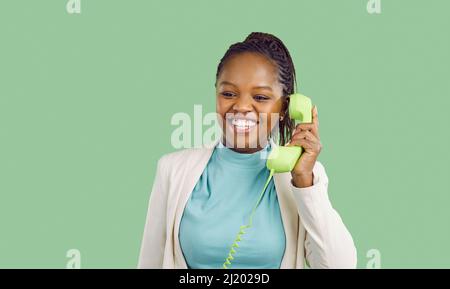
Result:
{"points": [[245, 150]]}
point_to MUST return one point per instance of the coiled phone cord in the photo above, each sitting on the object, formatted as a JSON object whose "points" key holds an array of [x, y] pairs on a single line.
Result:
{"points": [[243, 227]]}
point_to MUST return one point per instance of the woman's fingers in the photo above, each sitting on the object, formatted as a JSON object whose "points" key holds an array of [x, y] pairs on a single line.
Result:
{"points": [[313, 126], [307, 140], [307, 145], [304, 126], [304, 134], [315, 117]]}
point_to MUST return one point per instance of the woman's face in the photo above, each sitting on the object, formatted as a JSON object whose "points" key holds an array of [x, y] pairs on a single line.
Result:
{"points": [[248, 101]]}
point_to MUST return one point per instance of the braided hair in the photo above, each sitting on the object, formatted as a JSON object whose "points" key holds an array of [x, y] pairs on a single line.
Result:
{"points": [[273, 48]]}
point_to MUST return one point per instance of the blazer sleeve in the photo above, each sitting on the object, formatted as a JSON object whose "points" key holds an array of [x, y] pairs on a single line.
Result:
{"points": [[328, 243], [154, 239]]}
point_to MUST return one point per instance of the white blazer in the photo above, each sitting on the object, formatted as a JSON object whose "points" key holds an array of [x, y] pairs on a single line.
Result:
{"points": [[315, 233]]}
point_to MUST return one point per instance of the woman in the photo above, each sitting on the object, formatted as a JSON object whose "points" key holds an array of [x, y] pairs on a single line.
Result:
{"points": [[202, 196]]}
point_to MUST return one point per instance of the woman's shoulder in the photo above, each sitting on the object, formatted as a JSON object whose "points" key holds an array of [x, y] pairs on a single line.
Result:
{"points": [[182, 155], [186, 157]]}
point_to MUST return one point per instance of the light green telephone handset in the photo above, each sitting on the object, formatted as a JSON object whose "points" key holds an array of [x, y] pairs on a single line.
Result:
{"points": [[280, 160]]}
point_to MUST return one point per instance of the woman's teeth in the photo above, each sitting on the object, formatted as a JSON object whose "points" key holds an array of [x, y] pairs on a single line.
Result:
{"points": [[243, 124]]}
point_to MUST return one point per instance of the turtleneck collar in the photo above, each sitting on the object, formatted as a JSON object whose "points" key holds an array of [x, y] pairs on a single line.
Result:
{"points": [[243, 160]]}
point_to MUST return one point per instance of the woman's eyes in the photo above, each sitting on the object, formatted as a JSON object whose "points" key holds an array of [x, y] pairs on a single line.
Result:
{"points": [[261, 97], [227, 94], [258, 97]]}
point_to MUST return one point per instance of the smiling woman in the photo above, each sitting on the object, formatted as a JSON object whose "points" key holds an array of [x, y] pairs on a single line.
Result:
{"points": [[257, 73], [247, 90], [201, 197]]}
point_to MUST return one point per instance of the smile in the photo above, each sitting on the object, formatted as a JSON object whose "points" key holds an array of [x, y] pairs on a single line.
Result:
{"points": [[242, 125]]}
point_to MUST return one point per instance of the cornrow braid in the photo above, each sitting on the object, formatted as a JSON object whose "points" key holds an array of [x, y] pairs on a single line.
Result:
{"points": [[274, 49]]}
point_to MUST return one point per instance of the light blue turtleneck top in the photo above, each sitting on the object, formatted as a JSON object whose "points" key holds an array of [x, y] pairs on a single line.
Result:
{"points": [[221, 202]]}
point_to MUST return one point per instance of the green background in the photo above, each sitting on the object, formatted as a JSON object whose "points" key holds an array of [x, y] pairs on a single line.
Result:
{"points": [[86, 102]]}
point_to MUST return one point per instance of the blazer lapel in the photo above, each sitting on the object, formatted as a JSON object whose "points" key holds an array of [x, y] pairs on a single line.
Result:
{"points": [[189, 180]]}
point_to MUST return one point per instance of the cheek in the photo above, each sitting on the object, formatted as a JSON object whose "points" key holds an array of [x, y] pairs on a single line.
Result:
{"points": [[224, 106], [273, 116], [221, 103], [221, 107]]}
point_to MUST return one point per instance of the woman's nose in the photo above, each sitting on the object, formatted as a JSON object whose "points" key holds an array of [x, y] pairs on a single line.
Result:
{"points": [[243, 105]]}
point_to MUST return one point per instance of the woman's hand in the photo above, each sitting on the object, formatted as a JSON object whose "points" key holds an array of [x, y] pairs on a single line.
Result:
{"points": [[306, 135]]}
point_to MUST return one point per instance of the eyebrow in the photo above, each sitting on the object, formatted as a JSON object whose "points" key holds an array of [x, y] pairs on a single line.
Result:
{"points": [[259, 86]]}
